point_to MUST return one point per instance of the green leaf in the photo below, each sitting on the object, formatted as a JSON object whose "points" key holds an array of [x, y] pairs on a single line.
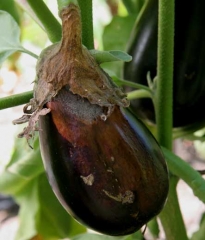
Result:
{"points": [[28, 208], [110, 56], [24, 165], [117, 33], [9, 37], [52, 221], [115, 37], [90, 236], [11, 184], [153, 227], [133, 6], [135, 236], [29, 166]]}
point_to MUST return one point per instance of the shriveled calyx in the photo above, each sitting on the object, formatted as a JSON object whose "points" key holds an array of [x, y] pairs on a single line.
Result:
{"points": [[69, 63]]}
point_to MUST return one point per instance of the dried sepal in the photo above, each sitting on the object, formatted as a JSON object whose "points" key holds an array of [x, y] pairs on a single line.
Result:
{"points": [[70, 63]]}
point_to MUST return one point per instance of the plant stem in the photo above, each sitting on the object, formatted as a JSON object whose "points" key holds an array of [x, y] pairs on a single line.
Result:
{"points": [[170, 217], [64, 3], [163, 100], [48, 21], [119, 81], [138, 94], [173, 230], [183, 170], [15, 100], [87, 23]]}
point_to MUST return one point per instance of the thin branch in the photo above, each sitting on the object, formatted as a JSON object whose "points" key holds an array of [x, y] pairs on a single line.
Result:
{"points": [[15, 100]]}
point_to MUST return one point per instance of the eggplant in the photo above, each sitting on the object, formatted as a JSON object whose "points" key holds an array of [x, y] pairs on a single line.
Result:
{"points": [[109, 175], [189, 59], [104, 166]]}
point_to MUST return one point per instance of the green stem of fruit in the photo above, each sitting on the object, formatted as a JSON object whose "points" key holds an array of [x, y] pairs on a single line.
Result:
{"points": [[170, 217], [48, 21], [183, 170], [87, 23], [64, 3], [15, 100]]}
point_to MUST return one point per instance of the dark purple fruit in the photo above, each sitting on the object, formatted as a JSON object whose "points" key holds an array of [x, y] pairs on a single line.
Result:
{"points": [[110, 175], [189, 58], [104, 166]]}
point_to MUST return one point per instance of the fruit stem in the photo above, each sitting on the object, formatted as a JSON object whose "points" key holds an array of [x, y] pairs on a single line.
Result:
{"points": [[63, 3], [48, 21], [87, 23], [15, 100], [171, 217]]}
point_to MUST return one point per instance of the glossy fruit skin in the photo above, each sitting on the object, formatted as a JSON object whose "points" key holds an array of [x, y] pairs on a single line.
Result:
{"points": [[189, 59], [108, 174]]}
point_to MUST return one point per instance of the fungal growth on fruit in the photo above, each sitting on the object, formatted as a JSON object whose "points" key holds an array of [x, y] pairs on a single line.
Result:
{"points": [[103, 164]]}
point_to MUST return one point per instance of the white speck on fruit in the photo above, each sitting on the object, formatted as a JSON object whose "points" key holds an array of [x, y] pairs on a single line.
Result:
{"points": [[89, 180]]}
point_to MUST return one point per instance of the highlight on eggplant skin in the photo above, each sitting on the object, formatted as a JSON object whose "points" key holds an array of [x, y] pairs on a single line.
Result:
{"points": [[110, 175]]}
